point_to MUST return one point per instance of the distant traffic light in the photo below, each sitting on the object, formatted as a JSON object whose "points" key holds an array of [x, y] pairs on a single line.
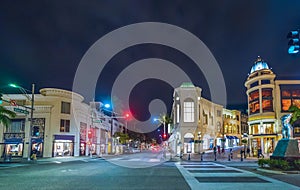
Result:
{"points": [[294, 45], [1, 98], [36, 131], [164, 135], [90, 134]]}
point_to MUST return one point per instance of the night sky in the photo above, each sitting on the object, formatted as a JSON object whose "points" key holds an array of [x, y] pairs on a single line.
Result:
{"points": [[42, 42]]}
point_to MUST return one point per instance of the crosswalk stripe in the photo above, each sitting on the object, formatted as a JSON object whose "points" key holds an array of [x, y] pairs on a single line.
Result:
{"points": [[207, 177]]}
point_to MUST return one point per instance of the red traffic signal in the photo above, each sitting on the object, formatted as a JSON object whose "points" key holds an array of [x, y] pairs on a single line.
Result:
{"points": [[164, 135], [90, 134]]}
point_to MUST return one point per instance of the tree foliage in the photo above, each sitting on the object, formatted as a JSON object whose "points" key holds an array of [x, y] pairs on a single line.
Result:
{"points": [[6, 115], [296, 114]]}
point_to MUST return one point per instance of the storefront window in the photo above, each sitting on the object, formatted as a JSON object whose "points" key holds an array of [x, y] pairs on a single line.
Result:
{"points": [[63, 148]]}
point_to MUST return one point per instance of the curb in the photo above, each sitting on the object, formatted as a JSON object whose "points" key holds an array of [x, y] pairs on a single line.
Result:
{"points": [[270, 171]]}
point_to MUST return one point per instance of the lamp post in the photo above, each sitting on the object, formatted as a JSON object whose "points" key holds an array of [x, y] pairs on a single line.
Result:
{"points": [[23, 90]]}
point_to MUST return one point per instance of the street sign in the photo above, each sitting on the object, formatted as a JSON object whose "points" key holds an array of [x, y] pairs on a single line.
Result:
{"points": [[21, 111]]}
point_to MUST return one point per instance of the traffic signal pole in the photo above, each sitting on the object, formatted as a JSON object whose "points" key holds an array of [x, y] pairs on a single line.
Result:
{"points": [[31, 122]]}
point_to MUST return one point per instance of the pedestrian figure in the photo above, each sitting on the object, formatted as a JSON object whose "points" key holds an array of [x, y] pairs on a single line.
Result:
{"points": [[248, 151], [231, 153], [215, 153], [33, 156], [259, 153]]}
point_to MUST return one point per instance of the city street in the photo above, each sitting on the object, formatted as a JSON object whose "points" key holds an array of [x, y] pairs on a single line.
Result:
{"points": [[99, 173]]}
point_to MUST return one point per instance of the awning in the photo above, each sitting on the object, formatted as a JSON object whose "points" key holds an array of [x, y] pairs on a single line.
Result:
{"points": [[229, 137], [13, 141], [39, 140], [232, 137], [64, 137]]}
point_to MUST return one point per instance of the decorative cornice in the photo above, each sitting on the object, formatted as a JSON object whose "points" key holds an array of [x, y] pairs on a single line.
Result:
{"points": [[61, 93]]}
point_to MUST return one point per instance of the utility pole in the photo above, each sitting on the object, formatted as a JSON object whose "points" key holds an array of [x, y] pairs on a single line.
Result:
{"points": [[31, 122]]}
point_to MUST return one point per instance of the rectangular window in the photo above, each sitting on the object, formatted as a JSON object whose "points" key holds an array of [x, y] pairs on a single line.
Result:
{"points": [[265, 81], [219, 113], [66, 107], [64, 125], [254, 84], [177, 113], [254, 102], [188, 109], [17, 126], [290, 95]]}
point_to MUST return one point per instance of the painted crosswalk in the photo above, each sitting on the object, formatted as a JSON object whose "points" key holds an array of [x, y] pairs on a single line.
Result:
{"points": [[214, 176]]}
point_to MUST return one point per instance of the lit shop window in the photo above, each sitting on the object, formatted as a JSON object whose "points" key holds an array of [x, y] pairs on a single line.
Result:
{"points": [[188, 108]]}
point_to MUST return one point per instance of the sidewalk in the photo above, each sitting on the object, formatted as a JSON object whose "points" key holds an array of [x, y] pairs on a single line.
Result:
{"points": [[222, 157]]}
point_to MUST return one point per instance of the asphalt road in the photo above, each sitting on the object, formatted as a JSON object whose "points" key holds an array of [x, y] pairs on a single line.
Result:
{"points": [[92, 174], [146, 170]]}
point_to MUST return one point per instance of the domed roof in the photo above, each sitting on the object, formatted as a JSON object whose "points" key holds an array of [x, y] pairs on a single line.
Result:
{"points": [[259, 65]]}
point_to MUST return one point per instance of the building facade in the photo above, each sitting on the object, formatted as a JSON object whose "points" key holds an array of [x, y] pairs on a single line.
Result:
{"points": [[268, 100], [197, 122], [231, 128], [62, 125]]}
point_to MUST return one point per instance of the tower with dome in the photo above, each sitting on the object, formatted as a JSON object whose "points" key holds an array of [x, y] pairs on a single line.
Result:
{"points": [[269, 98]]}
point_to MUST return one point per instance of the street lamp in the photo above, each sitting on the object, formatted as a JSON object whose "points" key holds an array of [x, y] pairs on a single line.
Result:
{"points": [[23, 90]]}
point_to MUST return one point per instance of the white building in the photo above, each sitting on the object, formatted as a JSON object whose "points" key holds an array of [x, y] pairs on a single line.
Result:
{"points": [[197, 121]]}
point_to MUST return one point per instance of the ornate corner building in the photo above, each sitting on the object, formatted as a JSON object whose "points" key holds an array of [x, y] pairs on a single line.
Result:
{"points": [[199, 123], [268, 100]]}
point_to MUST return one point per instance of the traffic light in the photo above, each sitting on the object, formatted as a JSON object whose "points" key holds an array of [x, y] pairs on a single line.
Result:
{"points": [[293, 43], [164, 135], [1, 98], [90, 134], [36, 131]]}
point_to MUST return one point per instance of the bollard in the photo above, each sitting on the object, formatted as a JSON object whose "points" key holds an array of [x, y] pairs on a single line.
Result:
{"points": [[229, 157], [201, 156], [189, 157], [215, 156]]}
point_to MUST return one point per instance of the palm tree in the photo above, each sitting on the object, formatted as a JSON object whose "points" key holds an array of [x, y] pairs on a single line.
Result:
{"points": [[5, 116]]}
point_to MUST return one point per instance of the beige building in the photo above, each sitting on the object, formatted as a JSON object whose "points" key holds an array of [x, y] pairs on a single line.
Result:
{"points": [[268, 100], [231, 128], [62, 125], [197, 121]]}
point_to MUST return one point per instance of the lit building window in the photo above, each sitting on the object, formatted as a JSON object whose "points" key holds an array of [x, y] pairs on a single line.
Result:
{"points": [[64, 125], [267, 100], [290, 95], [254, 102], [177, 113], [188, 109]]}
